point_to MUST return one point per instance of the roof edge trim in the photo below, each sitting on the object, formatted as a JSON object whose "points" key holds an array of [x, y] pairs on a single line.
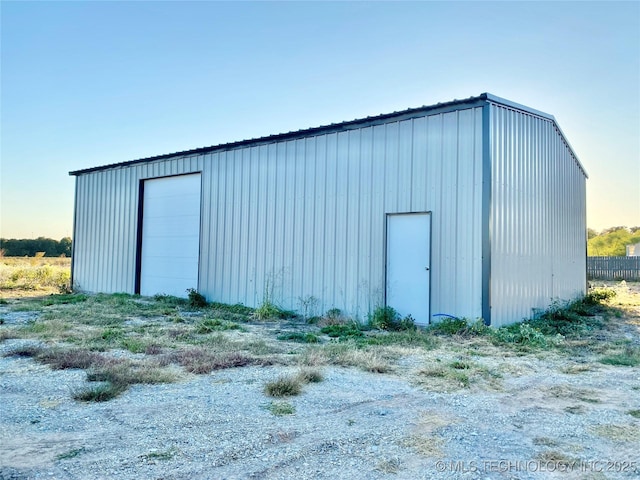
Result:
{"points": [[334, 127]]}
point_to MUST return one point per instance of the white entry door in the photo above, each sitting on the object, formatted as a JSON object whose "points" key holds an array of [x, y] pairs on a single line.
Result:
{"points": [[409, 264], [170, 235]]}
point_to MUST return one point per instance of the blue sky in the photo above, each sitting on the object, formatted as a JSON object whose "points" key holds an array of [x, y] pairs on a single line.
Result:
{"points": [[92, 83]]}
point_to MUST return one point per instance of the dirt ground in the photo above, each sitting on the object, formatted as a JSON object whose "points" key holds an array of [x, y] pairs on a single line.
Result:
{"points": [[524, 415]]}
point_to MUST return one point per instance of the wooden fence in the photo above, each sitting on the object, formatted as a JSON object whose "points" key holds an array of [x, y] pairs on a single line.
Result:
{"points": [[614, 268]]}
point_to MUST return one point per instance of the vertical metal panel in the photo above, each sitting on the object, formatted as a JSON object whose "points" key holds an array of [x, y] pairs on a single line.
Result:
{"points": [[538, 216], [305, 217], [106, 229]]}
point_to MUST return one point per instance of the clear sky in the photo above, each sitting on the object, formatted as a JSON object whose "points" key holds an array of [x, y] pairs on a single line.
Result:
{"points": [[91, 83]]}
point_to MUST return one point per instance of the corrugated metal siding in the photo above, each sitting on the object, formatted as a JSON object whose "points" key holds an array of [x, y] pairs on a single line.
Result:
{"points": [[538, 219], [106, 224], [305, 217]]}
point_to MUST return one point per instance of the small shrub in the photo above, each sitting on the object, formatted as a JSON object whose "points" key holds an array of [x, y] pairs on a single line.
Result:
{"points": [[267, 311], [342, 331], [283, 387], [385, 318], [450, 326], [333, 314], [196, 299], [522, 334], [598, 296]]}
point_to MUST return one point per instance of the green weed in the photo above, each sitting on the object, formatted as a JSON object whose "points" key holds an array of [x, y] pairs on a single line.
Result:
{"points": [[343, 331], [196, 299], [99, 393], [299, 337], [280, 409], [155, 455], [629, 358], [270, 311], [386, 318], [407, 338], [521, 334], [209, 325], [71, 453]]}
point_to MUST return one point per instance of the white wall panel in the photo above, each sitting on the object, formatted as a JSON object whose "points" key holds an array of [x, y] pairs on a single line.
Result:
{"points": [[305, 217], [538, 216]]}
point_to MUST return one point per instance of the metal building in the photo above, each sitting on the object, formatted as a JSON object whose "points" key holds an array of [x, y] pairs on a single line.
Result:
{"points": [[473, 208]]}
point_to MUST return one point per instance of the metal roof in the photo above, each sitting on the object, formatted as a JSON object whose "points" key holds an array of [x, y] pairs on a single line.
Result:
{"points": [[337, 127]]}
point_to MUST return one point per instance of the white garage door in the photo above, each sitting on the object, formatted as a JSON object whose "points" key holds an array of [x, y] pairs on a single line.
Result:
{"points": [[170, 235]]}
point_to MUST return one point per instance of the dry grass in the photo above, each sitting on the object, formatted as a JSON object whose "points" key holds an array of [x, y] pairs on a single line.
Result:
{"points": [[28, 276], [346, 354], [310, 375], [453, 375], [283, 386], [556, 458], [545, 441], [429, 446], [168, 331], [393, 465], [618, 433], [577, 368], [201, 361]]}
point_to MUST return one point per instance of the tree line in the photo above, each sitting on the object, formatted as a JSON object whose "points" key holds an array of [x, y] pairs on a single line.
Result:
{"points": [[29, 247], [611, 242]]}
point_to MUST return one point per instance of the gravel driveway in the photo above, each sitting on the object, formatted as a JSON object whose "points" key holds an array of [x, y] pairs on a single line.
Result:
{"points": [[542, 415]]}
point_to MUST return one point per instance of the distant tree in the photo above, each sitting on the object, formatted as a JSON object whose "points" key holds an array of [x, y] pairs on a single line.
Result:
{"points": [[65, 247], [28, 247], [591, 233], [613, 242], [613, 229]]}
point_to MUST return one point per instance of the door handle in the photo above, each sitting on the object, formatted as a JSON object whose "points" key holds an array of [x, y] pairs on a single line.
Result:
{"points": [[426, 268]]}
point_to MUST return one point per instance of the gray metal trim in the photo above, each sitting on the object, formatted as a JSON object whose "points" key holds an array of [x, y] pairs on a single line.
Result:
{"points": [[73, 239], [486, 213], [518, 106], [139, 224]]}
